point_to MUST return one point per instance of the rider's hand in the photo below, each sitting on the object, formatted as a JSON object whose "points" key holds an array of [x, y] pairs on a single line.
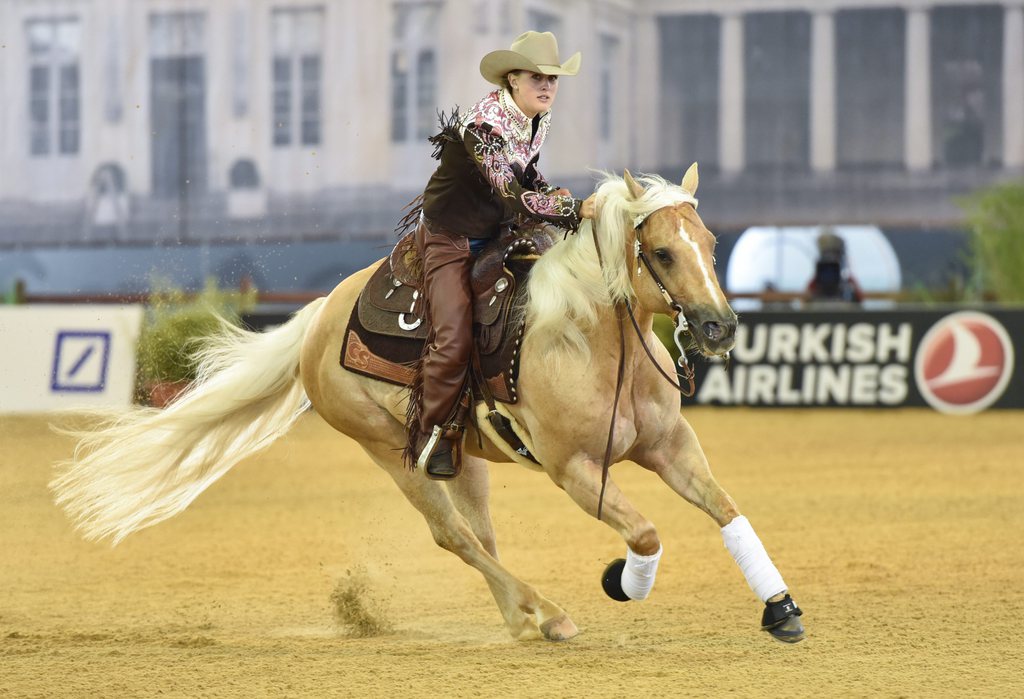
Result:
{"points": [[562, 192], [587, 210]]}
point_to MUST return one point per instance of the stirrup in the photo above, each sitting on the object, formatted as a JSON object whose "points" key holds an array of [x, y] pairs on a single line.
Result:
{"points": [[429, 447], [440, 464]]}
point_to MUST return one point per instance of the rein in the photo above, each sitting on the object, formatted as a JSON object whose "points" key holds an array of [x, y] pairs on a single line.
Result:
{"points": [[685, 368], [621, 374]]}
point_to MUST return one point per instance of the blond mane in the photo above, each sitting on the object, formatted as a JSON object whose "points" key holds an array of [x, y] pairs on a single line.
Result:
{"points": [[567, 284]]}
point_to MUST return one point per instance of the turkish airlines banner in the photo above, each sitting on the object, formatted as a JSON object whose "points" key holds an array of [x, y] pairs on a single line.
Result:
{"points": [[957, 362]]}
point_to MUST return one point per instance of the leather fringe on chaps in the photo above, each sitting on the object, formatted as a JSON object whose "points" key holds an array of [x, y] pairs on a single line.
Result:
{"points": [[412, 413]]}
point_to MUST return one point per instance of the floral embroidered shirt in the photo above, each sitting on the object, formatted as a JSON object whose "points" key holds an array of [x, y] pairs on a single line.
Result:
{"points": [[488, 172]]}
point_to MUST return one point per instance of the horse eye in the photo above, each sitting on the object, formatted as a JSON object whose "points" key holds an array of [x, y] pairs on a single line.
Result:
{"points": [[663, 255]]}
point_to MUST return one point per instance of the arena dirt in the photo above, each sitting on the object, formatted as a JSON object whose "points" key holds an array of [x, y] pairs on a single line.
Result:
{"points": [[305, 573]]}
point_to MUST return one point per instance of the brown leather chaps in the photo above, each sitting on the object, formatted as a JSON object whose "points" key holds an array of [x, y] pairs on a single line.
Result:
{"points": [[446, 283]]}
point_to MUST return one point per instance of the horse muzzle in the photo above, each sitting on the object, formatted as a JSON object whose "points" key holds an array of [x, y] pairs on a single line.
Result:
{"points": [[714, 336]]}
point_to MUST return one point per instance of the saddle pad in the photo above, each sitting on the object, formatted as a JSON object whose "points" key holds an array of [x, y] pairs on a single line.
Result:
{"points": [[394, 359], [385, 357]]}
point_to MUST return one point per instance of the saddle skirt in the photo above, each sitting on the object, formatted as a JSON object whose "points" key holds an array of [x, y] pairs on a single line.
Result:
{"points": [[386, 332]]}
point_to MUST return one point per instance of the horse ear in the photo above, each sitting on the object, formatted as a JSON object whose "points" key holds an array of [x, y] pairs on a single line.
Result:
{"points": [[635, 190], [690, 180]]}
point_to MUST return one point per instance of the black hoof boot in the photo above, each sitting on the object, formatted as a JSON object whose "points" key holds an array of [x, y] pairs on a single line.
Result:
{"points": [[441, 465], [782, 620], [611, 580]]}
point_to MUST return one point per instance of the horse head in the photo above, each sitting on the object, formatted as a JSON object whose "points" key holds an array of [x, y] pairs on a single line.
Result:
{"points": [[675, 267]]}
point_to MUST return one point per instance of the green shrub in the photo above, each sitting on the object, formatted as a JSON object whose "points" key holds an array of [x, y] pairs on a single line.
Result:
{"points": [[996, 217], [176, 324]]}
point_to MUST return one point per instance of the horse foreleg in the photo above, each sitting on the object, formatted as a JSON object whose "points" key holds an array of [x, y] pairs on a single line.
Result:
{"points": [[679, 460], [471, 494], [526, 612], [632, 577]]}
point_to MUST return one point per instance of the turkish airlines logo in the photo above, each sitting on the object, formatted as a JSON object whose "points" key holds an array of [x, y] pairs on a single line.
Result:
{"points": [[964, 363]]}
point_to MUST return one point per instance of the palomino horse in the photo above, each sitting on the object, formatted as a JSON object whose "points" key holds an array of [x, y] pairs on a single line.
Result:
{"points": [[144, 466]]}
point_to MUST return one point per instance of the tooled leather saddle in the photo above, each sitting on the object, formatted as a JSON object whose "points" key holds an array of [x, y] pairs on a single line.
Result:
{"points": [[386, 332]]}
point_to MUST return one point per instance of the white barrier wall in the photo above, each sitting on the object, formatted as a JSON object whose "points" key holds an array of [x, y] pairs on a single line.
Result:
{"points": [[67, 357]]}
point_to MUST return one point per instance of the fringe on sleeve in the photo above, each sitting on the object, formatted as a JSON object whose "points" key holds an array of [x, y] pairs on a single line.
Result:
{"points": [[450, 131]]}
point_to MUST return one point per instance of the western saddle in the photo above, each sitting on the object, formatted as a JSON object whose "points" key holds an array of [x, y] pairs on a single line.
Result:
{"points": [[386, 332]]}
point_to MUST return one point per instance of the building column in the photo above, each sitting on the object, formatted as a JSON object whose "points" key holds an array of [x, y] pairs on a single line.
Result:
{"points": [[731, 143], [11, 132], [1013, 86], [823, 92], [917, 125]]}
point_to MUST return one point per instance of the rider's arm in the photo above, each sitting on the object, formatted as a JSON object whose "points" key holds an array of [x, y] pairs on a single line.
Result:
{"points": [[488, 152]]}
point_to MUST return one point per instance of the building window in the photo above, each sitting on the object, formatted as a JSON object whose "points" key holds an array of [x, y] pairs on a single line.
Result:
{"points": [[296, 76], [426, 89], [777, 62], [414, 71], [607, 88], [690, 59], [53, 87], [177, 108], [869, 88], [967, 84]]}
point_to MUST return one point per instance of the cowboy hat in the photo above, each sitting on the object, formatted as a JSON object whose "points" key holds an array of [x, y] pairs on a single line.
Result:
{"points": [[533, 51]]}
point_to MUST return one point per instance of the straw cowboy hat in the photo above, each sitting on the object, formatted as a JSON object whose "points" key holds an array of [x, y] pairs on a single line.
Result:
{"points": [[532, 51]]}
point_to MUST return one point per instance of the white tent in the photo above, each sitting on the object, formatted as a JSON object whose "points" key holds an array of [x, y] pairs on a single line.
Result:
{"points": [[782, 258]]}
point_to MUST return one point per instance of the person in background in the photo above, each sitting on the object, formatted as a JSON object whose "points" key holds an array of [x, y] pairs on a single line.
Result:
{"points": [[486, 182], [832, 281]]}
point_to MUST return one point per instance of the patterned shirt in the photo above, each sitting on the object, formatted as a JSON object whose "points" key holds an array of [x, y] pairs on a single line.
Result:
{"points": [[488, 173]]}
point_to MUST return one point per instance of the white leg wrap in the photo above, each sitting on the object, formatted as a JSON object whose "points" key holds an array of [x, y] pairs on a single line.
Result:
{"points": [[761, 574], [638, 575]]}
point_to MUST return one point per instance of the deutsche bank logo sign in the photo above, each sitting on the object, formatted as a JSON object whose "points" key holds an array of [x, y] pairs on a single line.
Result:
{"points": [[80, 362]]}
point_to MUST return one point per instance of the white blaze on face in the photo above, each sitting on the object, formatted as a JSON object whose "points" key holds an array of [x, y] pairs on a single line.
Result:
{"points": [[713, 291]]}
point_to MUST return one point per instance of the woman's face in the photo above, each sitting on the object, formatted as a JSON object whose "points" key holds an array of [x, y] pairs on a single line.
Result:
{"points": [[533, 93]]}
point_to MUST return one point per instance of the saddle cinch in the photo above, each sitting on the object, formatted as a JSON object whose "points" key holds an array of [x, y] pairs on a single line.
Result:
{"points": [[386, 332]]}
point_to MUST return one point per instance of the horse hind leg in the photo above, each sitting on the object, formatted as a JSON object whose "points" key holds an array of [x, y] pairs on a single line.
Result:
{"points": [[471, 494], [526, 612]]}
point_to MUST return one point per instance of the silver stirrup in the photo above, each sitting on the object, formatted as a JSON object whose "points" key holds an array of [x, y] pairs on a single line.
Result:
{"points": [[428, 450]]}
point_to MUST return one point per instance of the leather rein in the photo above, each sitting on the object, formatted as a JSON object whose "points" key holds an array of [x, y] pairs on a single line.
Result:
{"points": [[682, 326]]}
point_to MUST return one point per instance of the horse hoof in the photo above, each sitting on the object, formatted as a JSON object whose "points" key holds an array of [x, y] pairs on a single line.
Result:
{"points": [[782, 620], [611, 580], [789, 631], [561, 628]]}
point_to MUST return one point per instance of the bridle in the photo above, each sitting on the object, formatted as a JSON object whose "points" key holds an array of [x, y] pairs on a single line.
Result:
{"points": [[681, 326]]}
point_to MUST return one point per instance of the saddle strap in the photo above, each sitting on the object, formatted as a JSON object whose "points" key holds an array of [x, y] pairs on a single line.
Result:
{"points": [[498, 421]]}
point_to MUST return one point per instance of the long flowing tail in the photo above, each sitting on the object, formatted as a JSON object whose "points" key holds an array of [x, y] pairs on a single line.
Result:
{"points": [[145, 465]]}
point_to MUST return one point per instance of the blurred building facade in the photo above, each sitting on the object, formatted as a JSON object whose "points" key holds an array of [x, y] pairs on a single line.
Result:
{"points": [[183, 121]]}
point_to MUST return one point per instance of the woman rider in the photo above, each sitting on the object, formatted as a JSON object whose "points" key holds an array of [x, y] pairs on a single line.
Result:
{"points": [[487, 177]]}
